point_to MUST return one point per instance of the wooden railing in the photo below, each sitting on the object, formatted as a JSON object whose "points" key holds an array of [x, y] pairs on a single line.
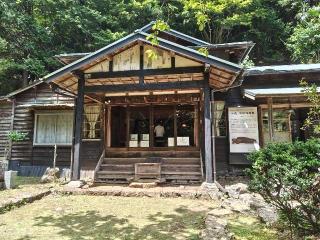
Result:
{"points": [[101, 159]]}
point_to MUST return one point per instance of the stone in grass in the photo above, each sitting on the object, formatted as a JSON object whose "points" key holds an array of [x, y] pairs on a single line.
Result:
{"points": [[143, 185], [212, 190], [268, 215], [236, 205], [220, 212], [236, 189], [215, 229], [50, 175], [76, 184]]}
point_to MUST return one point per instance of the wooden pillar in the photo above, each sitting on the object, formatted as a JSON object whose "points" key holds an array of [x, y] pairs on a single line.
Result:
{"points": [[13, 110], [108, 126], [151, 127], [175, 126], [141, 76], [78, 127], [196, 125], [128, 126], [270, 119], [207, 131]]}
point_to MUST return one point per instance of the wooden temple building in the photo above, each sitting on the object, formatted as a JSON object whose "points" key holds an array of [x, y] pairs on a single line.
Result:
{"points": [[181, 117]]}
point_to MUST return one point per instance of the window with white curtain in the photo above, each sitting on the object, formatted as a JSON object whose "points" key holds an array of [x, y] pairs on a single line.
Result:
{"points": [[92, 122], [219, 119], [53, 128]]}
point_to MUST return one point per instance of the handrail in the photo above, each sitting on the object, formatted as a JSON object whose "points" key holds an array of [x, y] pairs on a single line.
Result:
{"points": [[101, 159]]}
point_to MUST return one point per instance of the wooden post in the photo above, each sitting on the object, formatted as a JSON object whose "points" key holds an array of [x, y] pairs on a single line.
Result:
{"points": [[196, 125], [13, 109], [108, 127], [207, 130], [151, 126], [270, 119], [141, 77], [55, 155], [213, 139], [128, 126], [78, 127], [175, 127]]}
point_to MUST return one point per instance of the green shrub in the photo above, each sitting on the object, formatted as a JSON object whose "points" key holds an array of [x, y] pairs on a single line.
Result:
{"points": [[287, 175], [16, 136]]}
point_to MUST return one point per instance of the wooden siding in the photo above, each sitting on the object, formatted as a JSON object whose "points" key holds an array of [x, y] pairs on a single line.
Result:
{"points": [[102, 66], [5, 125], [162, 60], [185, 62], [222, 154], [127, 60], [24, 151], [90, 153], [44, 156]]}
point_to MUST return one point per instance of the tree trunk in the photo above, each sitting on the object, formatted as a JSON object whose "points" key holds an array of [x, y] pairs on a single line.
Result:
{"points": [[24, 78]]}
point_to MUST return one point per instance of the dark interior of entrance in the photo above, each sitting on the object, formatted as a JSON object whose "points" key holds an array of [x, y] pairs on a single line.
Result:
{"points": [[154, 126]]}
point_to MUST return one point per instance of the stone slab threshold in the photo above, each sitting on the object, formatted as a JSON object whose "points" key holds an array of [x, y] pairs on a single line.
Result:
{"points": [[190, 192], [22, 200]]}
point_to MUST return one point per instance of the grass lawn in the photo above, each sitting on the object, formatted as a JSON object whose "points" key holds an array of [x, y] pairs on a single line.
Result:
{"points": [[99, 217], [25, 185], [249, 228]]}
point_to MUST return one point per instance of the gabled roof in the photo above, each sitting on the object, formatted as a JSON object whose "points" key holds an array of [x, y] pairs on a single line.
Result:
{"points": [[22, 89], [141, 36], [147, 28], [67, 58], [274, 92], [197, 43], [282, 69]]}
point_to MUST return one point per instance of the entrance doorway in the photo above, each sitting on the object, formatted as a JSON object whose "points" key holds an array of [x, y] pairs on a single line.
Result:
{"points": [[154, 126]]}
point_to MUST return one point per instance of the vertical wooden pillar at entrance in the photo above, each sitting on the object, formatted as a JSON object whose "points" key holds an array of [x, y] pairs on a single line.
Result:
{"points": [[270, 119], [78, 114], [207, 130]]}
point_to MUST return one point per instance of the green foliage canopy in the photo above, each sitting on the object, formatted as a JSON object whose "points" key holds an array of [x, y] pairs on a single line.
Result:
{"points": [[33, 31]]}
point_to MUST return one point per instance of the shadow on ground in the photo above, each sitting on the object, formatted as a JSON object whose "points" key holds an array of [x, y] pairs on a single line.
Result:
{"points": [[183, 223]]}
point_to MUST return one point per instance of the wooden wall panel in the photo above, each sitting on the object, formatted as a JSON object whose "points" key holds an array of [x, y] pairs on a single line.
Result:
{"points": [[5, 124], [24, 151], [222, 154], [185, 62], [127, 60], [163, 59], [100, 67], [90, 153], [44, 156]]}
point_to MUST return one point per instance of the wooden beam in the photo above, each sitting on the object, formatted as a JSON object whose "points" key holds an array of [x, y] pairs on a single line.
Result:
{"points": [[207, 130], [144, 87], [144, 72], [111, 66], [78, 128], [175, 127], [141, 75], [108, 126], [173, 62]]}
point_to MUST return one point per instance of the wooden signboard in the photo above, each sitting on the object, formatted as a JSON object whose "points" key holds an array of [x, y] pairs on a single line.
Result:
{"points": [[243, 129], [147, 170]]}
